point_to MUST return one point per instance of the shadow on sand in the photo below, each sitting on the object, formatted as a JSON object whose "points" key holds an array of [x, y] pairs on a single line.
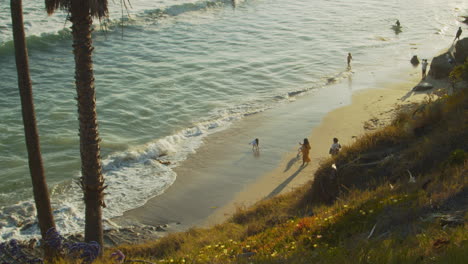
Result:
{"points": [[285, 183], [291, 162], [431, 82]]}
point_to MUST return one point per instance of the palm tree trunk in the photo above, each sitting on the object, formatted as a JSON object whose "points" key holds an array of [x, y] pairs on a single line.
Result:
{"points": [[40, 190], [92, 180]]}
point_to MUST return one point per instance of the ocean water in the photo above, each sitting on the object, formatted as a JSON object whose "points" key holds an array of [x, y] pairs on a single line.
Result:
{"points": [[178, 71]]}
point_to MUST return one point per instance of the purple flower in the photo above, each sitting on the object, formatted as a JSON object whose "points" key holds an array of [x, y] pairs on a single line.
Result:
{"points": [[11, 252], [118, 256], [87, 251], [54, 239]]}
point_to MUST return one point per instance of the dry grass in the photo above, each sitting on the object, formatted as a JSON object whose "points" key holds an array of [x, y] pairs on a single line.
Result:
{"points": [[365, 212]]}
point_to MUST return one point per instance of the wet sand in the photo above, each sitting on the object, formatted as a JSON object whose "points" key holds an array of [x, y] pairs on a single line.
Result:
{"points": [[225, 173], [369, 110]]}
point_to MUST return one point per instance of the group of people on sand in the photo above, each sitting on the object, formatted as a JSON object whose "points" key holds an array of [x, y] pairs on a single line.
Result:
{"points": [[304, 149]]}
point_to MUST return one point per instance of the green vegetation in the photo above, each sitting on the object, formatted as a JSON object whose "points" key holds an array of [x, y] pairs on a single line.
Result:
{"points": [[460, 72], [367, 211]]}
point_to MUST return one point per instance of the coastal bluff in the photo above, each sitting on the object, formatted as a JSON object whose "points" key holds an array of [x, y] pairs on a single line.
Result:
{"points": [[443, 64]]}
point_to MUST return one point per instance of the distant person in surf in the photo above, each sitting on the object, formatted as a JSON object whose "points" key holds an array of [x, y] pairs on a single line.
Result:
{"points": [[335, 147], [424, 68], [255, 144], [350, 57], [397, 23], [305, 148], [458, 34]]}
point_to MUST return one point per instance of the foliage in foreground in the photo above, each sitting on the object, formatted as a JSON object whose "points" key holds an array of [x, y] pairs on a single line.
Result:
{"points": [[399, 195]]}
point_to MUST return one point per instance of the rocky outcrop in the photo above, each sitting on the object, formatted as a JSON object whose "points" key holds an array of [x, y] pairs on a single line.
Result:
{"points": [[441, 66], [466, 19], [423, 86], [461, 50]]}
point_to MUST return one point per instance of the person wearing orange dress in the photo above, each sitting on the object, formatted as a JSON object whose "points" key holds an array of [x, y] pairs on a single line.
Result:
{"points": [[305, 148]]}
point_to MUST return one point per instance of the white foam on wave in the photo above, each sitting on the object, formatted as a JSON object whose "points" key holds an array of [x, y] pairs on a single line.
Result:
{"points": [[132, 176], [38, 24]]}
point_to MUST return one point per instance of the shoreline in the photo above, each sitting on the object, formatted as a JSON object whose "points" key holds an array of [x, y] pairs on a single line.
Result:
{"points": [[369, 110], [224, 174]]}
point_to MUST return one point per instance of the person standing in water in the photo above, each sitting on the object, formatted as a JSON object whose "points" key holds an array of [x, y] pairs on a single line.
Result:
{"points": [[255, 145], [305, 148], [350, 57], [397, 23]]}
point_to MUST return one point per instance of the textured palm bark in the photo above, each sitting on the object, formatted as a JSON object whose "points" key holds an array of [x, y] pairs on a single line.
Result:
{"points": [[36, 169], [92, 180]]}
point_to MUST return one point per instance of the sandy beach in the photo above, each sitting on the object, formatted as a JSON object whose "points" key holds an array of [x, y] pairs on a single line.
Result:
{"points": [[225, 174], [369, 110]]}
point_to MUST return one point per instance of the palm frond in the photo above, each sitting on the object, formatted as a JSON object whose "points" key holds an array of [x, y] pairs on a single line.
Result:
{"points": [[97, 8]]}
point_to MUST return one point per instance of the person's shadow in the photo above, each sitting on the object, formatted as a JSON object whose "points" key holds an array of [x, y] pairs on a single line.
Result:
{"points": [[291, 162], [285, 183]]}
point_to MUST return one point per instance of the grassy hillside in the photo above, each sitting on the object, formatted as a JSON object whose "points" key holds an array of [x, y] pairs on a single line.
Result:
{"points": [[399, 195]]}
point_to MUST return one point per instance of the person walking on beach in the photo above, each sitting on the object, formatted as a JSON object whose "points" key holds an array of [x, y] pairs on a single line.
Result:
{"points": [[424, 67], [350, 57], [255, 145], [458, 34], [305, 148], [335, 147]]}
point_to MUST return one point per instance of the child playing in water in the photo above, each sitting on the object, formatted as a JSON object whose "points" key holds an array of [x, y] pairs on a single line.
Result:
{"points": [[255, 144]]}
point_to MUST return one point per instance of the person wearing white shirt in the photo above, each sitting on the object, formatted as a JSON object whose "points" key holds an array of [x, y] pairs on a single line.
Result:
{"points": [[255, 144], [424, 67], [335, 147]]}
